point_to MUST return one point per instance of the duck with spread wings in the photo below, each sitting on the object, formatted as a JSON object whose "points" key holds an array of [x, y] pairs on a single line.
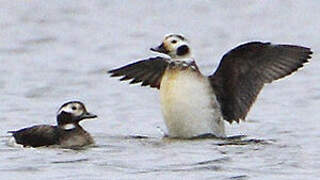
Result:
{"points": [[194, 104]]}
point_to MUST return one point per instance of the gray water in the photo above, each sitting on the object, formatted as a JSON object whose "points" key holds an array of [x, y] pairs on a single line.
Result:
{"points": [[55, 51]]}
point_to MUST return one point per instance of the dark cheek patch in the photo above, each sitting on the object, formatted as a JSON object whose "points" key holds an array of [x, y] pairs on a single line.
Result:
{"points": [[182, 50]]}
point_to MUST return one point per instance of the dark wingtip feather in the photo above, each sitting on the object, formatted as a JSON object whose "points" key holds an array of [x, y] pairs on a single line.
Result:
{"points": [[114, 73], [111, 71], [134, 81], [148, 71], [124, 78]]}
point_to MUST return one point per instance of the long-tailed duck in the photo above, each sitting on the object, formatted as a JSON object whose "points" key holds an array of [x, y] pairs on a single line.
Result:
{"points": [[67, 134], [193, 104]]}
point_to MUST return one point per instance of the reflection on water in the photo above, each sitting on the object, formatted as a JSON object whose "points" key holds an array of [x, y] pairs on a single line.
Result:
{"points": [[52, 52]]}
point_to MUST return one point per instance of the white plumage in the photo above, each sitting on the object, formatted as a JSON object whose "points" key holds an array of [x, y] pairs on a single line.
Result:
{"points": [[188, 105]]}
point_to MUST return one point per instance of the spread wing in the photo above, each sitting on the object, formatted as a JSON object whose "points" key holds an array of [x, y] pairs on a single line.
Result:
{"points": [[244, 70], [35, 136], [148, 71]]}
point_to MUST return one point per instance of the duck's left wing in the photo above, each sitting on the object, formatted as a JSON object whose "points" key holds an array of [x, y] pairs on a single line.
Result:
{"points": [[148, 71], [244, 70]]}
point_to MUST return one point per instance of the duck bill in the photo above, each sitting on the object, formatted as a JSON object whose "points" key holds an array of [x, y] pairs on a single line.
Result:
{"points": [[88, 116], [160, 49]]}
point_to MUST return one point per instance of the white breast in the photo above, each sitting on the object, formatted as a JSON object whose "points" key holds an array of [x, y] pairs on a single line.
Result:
{"points": [[188, 104]]}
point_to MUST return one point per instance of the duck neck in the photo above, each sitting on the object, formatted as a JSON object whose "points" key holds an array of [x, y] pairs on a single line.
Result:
{"points": [[65, 119]]}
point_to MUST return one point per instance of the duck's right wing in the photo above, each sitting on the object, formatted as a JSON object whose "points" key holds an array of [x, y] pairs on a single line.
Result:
{"points": [[148, 71]]}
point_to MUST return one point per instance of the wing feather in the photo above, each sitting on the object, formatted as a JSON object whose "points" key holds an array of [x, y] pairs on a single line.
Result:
{"points": [[35, 136], [148, 72], [244, 70]]}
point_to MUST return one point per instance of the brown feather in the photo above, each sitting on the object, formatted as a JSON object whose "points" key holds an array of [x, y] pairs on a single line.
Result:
{"points": [[244, 70], [148, 71]]}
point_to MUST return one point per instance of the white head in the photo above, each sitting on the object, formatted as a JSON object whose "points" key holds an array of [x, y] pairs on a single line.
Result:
{"points": [[73, 107], [174, 45], [71, 113]]}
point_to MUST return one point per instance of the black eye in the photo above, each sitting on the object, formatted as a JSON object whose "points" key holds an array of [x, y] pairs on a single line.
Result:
{"points": [[74, 108], [174, 41]]}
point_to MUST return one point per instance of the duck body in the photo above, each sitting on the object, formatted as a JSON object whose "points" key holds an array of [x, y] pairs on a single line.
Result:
{"points": [[187, 103]]}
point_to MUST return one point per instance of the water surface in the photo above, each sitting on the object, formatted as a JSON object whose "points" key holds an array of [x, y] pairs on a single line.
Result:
{"points": [[54, 51]]}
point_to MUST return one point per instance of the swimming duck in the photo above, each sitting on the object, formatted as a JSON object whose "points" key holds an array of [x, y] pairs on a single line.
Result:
{"points": [[67, 134], [194, 104]]}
